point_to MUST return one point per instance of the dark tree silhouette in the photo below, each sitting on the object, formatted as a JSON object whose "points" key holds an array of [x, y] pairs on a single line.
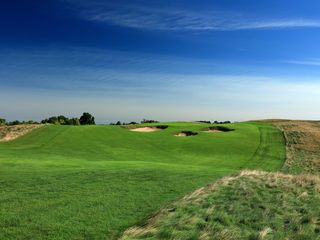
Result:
{"points": [[148, 121], [2, 121], [73, 121], [87, 119]]}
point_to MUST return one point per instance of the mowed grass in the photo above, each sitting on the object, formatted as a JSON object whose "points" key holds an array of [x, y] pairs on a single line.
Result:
{"points": [[93, 182]]}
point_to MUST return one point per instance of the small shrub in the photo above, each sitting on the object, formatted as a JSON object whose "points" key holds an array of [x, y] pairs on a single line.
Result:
{"points": [[87, 119], [223, 122], [73, 121], [204, 121], [189, 133], [221, 128], [162, 126], [2, 121]]}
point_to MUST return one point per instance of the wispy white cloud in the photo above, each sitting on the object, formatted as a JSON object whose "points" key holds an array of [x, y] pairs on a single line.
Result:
{"points": [[57, 82], [180, 97], [310, 62], [183, 20]]}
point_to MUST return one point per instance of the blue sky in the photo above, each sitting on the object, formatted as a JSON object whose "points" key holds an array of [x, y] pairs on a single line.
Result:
{"points": [[166, 60]]}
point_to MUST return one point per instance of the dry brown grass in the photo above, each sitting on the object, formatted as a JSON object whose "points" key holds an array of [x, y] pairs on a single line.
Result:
{"points": [[272, 179], [286, 183], [303, 145], [9, 133]]}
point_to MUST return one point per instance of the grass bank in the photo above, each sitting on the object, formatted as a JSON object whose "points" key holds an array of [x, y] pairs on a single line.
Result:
{"points": [[250, 205], [93, 182]]}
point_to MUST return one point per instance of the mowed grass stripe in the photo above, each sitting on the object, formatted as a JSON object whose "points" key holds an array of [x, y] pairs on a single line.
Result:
{"points": [[93, 182], [268, 152]]}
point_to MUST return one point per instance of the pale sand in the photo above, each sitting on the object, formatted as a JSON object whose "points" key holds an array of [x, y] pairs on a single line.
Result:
{"points": [[181, 135], [212, 131], [145, 129]]}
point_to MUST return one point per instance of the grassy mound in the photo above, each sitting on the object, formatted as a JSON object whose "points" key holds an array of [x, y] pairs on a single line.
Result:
{"points": [[250, 205], [93, 182]]}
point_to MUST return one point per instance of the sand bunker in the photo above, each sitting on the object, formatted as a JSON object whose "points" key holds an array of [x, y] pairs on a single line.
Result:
{"points": [[149, 128], [186, 134], [8, 133], [145, 129]]}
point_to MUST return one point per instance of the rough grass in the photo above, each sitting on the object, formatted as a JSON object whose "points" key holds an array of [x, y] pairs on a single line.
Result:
{"points": [[303, 146], [250, 205], [8, 133], [93, 182]]}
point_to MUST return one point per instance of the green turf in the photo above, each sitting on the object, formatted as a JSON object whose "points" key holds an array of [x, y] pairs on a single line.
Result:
{"points": [[93, 182]]}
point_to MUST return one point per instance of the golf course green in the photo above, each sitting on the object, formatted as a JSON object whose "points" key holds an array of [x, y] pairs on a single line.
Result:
{"points": [[93, 182]]}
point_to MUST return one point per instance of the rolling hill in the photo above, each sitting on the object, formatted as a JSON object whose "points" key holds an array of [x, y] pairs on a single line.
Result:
{"points": [[251, 204], [93, 182]]}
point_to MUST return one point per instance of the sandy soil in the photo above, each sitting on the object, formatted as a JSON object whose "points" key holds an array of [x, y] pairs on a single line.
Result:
{"points": [[181, 135], [145, 129], [8, 133]]}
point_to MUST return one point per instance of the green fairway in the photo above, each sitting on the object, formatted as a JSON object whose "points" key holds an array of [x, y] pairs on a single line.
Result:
{"points": [[93, 182]]}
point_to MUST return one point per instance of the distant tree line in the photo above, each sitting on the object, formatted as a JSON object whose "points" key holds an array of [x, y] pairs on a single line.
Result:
{"points": [[16, 122], [203, 121], [118, 123], [154, 121], [133, 123], [61, 120], [88, 119], [224, 122], [85, 119], [214, 122], [149, 121]]}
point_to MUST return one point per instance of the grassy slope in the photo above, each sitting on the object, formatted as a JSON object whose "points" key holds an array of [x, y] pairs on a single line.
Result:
{"points": [[252, 204], [64, 182]]}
